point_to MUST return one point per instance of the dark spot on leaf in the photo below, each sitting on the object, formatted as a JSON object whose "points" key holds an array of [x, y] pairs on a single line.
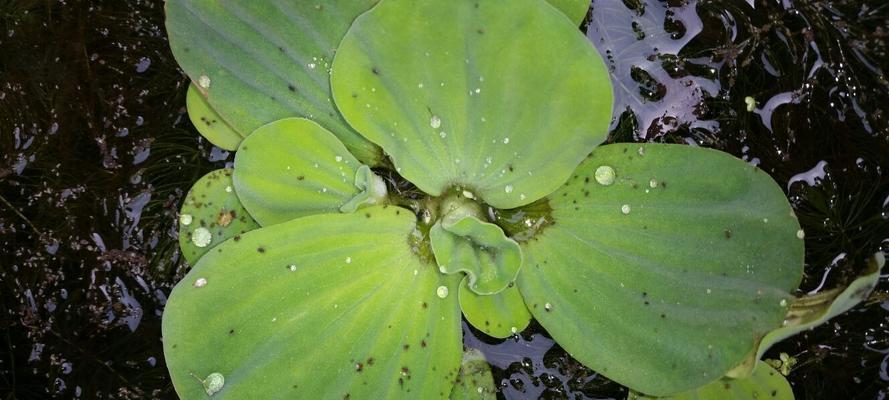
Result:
{"points": [[663, 315], [260, 249], [299, 178], [406, 347], [359, 367], [370, 361], [291, 88], [728, 233], [423, 343], [375, 70], [231, 332], [237, 238]]}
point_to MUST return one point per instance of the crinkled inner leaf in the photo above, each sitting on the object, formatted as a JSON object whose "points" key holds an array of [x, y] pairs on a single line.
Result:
{"points": [[490, 260], [808, 312], [293, 168], [326, 306], [211, 214], [260, 61], [491, 96], [677, 264], [372, 190], [475, 381], [765, 383], [208, 123], [499, 315]]}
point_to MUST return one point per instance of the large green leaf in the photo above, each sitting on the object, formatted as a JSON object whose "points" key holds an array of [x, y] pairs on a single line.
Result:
{"points": [[475, 381], [765, 383], [208, 123], [810, 311], [294, 167], [665, 264], [491, 96], [211, 214], [321, 307], [498, 315], [260, 61]]}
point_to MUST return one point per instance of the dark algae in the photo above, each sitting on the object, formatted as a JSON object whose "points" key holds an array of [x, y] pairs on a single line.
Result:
{"points": [[97, 155]]}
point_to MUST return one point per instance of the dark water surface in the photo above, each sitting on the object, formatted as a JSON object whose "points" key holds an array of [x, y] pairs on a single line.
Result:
{"points": [[96, 154]]}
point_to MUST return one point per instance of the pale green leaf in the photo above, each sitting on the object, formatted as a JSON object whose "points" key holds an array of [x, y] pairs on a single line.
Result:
{"points": [[475, 381], [498, 315], [208, 123], [294, 167], [260, 61], [575, 10], [810, 311], [211, 214], [321, 307], [474, 94], [677, 263], [765, 383]]}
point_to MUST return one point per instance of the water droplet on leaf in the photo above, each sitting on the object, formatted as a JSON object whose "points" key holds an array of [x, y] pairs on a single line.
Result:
{"points": [[201, 237], [605, 175]]}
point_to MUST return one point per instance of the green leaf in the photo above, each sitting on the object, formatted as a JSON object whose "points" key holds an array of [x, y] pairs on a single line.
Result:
{"points": [[498, 315], [260, 61], [475, 381], [490, 260], [504, 99], [575, 10], [208, 123], [765, 383], [320, 307], [210, 215], [294, 167], [667, 273], [810, 311]]}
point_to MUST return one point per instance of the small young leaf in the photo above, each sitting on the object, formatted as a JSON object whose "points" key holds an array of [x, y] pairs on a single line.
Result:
{"points": [[210, 215], [479, 95], [208, 123], [475, 381], [498, 315], [765, 383], [293, 167], [490, 260], [320, 307], [810, 311], [261, 61], [677, 262]]}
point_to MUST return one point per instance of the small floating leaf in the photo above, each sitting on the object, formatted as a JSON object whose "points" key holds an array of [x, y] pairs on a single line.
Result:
{"points": [[490, 260], [294, 167], [481, 95], [672, 300], [211, 214], [765, 383], [266, 60], [208, 123], [475, 381], [810, 311], [275, 330], [498, 315]]}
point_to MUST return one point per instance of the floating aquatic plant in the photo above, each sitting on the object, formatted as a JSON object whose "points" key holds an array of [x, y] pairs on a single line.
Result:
{"points": [[404, 163]]}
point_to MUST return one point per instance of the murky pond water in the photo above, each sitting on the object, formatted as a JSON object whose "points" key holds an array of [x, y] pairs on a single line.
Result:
{"points": [[96, 154]]}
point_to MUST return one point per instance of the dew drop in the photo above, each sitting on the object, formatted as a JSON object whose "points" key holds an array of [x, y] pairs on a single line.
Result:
{"points": [[605, 175], [435, 122], [185, 219], [548, 306], [443, 134], [292, 267], [339, 159], [783, 303], [442, 291], [204, 81], [348, 260], [201, 237], [508, 188], [200, 282], [228, 189], [506, 140], [469, 195], [652, 183], [625, 209], [801, 234], [514, 330]]}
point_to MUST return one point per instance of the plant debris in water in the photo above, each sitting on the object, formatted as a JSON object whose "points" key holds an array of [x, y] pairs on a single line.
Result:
{"points": [[97, 155]]}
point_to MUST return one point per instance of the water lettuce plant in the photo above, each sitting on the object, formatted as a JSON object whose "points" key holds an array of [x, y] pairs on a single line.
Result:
{"points": [[404, 162]]}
